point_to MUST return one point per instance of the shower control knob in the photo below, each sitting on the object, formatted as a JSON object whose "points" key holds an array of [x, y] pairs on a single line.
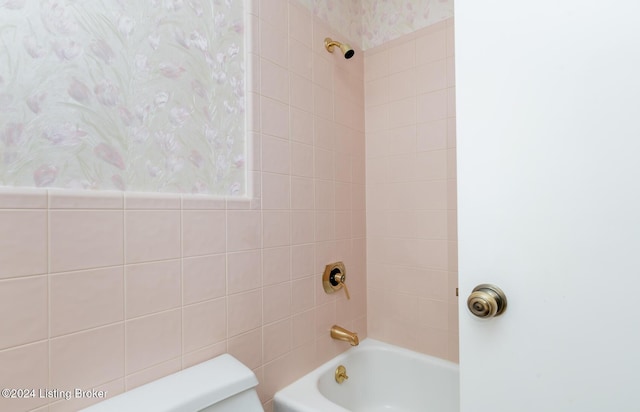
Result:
{"points": [[487, 301]]}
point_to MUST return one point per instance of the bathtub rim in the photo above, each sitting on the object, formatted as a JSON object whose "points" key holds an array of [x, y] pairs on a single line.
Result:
{"points": [[303, 394]]}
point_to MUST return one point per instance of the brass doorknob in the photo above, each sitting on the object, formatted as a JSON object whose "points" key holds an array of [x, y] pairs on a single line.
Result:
{"points": [[487, 301]]}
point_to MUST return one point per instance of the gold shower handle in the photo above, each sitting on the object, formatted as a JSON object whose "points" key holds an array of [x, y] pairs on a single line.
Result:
{"points": [[334, 278], [341, 280]]}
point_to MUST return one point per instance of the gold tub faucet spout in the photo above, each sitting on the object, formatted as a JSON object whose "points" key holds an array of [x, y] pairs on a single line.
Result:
{"points": [[340, 333]]}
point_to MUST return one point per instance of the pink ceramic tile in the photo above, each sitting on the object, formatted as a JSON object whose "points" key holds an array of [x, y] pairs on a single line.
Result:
{"points": [[431, 224], [324, 164], [201, 355], [343, 166], [274, 81], [302, 193], [300, 23], [153, 373], [87, 358], [302, 227], [24, 303], [24, 367], [434, 314], [244, 271], [254, 114], [431, 76], [71, 199], [402, 56], [452, 224], [253, 69], [402, 168], [343, 225], [276, 228], [376, 64], [377, 92], [432, 165], [303, 328], [452, 256], [86, 299], [432, 106], [275, 12], [322, 102], [325, 318], [451, 72], [323, 70], [244, 230], [303, 261], [275, 118], [152, 287], [276, 155], [358, 169], [23, 242], [432, 135], [303, 294], [324, 133], [430, 47], [205, 202], [247, 348], [204, 324], [147, 201], [85, 239], [325, 197], [451, 102], [277, 339], [343, 196], [301, 92], [203, 232], [403, 84], [450, 38], [272, 39], [276, 301], [301, 62], [275, 191], [276, 265], [402, 112], [451, 132], [203, 278], [358, 223], [287, 368], [152, 235], [325, 226], [433, 342], [22, 198], [452, 194], [301, 160], [348, 112], [152, 339], [301, 123], [244, 312]]}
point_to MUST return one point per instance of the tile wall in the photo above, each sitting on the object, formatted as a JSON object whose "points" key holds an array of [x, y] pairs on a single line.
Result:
{"points": [[411, 192], [110, 290]]}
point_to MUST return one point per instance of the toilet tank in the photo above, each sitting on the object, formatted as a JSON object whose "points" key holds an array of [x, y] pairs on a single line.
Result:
{"points": [[222, 384]]}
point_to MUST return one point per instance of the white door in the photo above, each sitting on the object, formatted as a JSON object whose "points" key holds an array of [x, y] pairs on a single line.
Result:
{"points": [[548, 105]]}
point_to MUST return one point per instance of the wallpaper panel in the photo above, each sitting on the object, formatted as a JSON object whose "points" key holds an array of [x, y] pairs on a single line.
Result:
{"points": [[127, 95]]}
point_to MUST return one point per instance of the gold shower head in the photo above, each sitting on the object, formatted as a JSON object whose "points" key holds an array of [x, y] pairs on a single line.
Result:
{"points": [[345, 48]]}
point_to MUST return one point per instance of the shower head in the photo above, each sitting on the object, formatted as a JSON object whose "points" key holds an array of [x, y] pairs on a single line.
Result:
{"points": [[345, 48]]}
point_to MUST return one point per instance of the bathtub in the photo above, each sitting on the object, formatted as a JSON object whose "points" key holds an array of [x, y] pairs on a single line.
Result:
{"points": [[382, 377]]}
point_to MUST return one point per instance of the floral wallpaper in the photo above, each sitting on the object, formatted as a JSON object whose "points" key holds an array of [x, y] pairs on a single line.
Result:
{"points": [[126, 95], [385, 20], [370, 23]]}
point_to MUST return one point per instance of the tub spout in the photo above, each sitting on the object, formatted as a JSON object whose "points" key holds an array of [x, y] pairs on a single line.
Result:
{"points": [[341, 333]]}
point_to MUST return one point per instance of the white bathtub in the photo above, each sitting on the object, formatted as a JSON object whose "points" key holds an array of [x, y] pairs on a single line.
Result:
{"points": [[382, 377]]}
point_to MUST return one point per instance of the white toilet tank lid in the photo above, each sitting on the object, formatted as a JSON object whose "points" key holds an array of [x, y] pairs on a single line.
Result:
{"points": [[189, 390]]}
